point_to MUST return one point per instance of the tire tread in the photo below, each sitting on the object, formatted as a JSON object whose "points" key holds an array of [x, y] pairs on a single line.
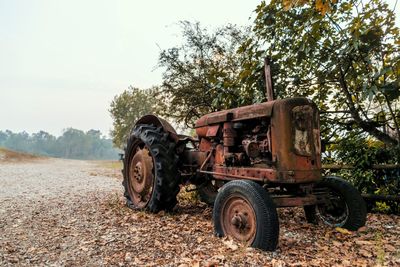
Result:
{"points": [[166, 184]]}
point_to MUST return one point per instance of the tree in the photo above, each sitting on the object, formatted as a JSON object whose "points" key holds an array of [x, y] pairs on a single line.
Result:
{"points": [[126, 109], [43, 143], [203, 74], [347, 60], [73, 143], [18, 141]]}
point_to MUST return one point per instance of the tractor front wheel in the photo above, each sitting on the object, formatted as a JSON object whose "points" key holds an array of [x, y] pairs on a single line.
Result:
{"points": [[244, 211], [344, 206]]}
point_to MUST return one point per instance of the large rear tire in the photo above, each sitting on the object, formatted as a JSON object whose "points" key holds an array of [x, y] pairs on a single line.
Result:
{"points": [[345, 207], [150, 172], [244, 211]]}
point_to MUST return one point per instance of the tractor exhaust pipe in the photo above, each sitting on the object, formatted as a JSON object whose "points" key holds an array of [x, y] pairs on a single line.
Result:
{"points": [[268, 80]]}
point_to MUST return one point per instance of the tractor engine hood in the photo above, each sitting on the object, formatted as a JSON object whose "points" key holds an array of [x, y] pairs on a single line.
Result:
{"points": [[237, 114]]}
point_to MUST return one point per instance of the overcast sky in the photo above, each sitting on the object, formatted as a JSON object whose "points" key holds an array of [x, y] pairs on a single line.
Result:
{"points": [[62, 62]]}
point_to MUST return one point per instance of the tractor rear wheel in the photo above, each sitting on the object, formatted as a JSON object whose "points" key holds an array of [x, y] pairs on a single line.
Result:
{"points": [[344, 208], [150, 170], [244, 211]]}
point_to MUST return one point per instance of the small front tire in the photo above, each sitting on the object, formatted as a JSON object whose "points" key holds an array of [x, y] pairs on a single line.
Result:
{"points": [[345, 207], [244, 211]]}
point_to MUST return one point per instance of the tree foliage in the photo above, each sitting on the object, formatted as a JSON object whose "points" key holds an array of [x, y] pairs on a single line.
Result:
{"points": [[73, 144], [321, 6], [203, 73], [126, 108], [363, 152], [347, 61]]}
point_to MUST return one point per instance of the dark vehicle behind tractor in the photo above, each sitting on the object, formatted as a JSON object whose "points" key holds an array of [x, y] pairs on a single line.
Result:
{"points": [[246, 162]]}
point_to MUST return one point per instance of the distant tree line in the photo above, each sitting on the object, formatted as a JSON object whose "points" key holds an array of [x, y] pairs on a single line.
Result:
{"points": [[72, 144]]}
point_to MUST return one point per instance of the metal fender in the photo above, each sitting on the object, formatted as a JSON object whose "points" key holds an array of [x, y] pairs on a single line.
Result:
{"points": [[157, 121]]}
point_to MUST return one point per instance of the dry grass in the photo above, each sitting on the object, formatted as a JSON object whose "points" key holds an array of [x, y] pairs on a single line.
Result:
{"points": [[110, 164], [111, 168], [7, 155]]}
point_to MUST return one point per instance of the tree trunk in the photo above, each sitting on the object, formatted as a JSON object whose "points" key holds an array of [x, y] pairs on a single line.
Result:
{"points": [[367, 126]]}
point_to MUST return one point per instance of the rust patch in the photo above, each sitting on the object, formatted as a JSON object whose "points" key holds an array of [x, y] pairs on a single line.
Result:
{"points": [[219, 155], [303, 129], [231, 173], [229, 134], [205, 145], [212, 131]]}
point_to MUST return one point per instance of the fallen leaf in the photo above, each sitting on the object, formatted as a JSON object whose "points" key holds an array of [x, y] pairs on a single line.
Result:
{"points": [[389, 248], [212, 263], [343, 231], [365, 253], [362, 229], [363, 242], [230, 244], [195, 263]]}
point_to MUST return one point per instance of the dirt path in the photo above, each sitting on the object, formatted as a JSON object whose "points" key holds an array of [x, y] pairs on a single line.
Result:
{"points": [[71, 213]]}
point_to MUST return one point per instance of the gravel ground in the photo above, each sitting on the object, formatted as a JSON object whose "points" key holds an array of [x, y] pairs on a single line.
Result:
{"points": [[45, 204], [25, 184]]}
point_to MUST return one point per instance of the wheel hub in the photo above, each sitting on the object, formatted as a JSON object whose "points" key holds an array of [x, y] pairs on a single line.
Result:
{"points": [[141, 178], [335, 212], [239, 220]]}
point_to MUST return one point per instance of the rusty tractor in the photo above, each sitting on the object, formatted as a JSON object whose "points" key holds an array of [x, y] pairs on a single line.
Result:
{"points": [[246, 162]]}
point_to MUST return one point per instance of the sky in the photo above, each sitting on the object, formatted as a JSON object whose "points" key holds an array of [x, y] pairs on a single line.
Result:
{"points": [[62, 62]]}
